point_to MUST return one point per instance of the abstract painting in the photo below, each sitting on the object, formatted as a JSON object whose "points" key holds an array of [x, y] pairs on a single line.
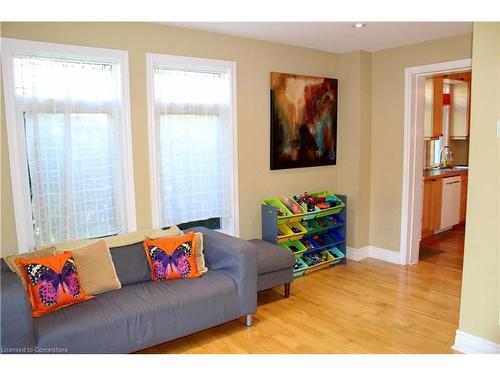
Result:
{"points": [[303, 121]]}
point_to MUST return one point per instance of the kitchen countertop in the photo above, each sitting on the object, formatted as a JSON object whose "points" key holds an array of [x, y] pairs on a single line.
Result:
{"points": [[440, 173]]}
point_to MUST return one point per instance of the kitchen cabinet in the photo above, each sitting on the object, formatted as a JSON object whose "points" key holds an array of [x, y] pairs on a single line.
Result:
{"points": [[463, 198], [461, 76], [433, 116], [443, 207], [459, 110], [431, 210]]}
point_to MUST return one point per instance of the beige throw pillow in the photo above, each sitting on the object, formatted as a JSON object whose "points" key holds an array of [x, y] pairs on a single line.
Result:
{"points": [[71, 244], [175, 231], [95, 267], [125, 239], [159, 233], [11, 260], [199, 256]]}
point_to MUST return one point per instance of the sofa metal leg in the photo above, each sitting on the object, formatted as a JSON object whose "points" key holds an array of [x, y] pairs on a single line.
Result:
{"points": [[287, 290], [248, 320]]}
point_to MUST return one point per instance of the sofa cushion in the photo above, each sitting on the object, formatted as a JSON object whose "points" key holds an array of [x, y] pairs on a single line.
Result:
{"points": [[141, 315], [4, 267], [271, 257], [131, 264]]}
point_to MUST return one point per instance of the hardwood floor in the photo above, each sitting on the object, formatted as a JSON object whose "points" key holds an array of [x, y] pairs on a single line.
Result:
{"points": [[445, 249], [368, 306]]}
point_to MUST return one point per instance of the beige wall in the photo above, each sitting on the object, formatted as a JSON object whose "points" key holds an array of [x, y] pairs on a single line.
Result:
{"points": [[354, 70], [479, 307], [370, 144], [255, 60], [370, 133], [388, 69]]}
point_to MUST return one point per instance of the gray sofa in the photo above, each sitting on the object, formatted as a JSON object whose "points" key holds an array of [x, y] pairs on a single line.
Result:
{"points": [[142, 313]]}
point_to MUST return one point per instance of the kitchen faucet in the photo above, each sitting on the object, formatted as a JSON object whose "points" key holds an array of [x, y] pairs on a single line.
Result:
{"points": [[446, 160]]}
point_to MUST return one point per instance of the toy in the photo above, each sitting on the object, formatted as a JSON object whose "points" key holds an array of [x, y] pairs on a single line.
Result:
{"points": [[319, 240], [334, 220], [322, 223], [297, 265], [311, 204], [292, 205], [308, 203], [314, 259], [308, 244], [333, 201]]}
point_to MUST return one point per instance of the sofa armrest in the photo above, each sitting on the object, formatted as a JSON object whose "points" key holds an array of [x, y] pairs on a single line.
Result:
{"points": [[17, 329], [236, 258]]}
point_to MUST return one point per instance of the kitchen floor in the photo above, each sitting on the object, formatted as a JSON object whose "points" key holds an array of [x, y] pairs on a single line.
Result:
{"points": [[445, 249]]}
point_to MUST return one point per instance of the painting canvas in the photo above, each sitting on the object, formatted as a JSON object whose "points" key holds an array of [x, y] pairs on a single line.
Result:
{"points": [[303, 121]]}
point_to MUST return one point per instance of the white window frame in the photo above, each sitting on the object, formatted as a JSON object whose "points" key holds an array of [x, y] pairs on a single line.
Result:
{"points": [[229, 225], [16, 136]]}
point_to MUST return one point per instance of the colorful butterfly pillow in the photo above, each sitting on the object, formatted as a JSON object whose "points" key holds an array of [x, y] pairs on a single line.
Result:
{"points": [[172, 257], [52, 282]]}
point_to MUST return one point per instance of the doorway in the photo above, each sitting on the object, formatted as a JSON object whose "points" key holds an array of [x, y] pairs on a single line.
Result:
{"points": [[413, 160], [446, 166]]}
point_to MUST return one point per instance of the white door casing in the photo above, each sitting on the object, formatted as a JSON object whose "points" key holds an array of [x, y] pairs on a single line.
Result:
{"points": [[413, 149]]}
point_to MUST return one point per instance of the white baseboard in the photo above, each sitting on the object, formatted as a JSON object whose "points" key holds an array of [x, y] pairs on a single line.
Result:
{"points": [[374, 252], [470, 344], [385, 255], [358, 254]]}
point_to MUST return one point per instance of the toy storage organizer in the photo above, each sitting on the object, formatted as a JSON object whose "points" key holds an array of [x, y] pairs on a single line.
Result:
{"points": [[317, 238]]}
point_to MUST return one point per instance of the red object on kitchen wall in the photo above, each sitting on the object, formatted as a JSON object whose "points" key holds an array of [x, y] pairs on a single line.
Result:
{"points": [[446, 99]]}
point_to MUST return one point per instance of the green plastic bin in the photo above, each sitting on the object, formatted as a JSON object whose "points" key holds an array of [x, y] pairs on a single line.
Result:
{"points": [[312, 226], [295, 244], [294, 216], [276, 203], [311, 215], [327, 224], [331, 210]]}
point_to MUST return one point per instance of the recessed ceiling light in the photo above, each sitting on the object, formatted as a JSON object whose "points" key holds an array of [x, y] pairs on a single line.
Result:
{"points": [[359, 25]]}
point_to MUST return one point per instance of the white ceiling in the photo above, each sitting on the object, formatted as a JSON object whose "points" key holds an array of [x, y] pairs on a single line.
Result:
{"points": [[336, 37]]}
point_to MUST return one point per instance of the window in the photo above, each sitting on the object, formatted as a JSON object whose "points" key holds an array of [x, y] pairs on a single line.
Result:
{"points": [[212, 223], [192, 131], [69, 142]]}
